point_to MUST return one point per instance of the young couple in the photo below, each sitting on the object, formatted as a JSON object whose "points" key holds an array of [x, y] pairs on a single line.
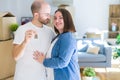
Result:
{"points": [[37, 51]]}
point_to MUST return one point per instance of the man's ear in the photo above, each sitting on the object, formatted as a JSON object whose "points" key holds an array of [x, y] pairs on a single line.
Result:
{"points": [[36, 14]]}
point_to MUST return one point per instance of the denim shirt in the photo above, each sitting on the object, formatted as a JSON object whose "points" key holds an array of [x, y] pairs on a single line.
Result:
{"points": [[64, 59]]}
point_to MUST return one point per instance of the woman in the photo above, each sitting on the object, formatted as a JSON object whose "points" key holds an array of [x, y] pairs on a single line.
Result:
{"points": [[64, 51]]}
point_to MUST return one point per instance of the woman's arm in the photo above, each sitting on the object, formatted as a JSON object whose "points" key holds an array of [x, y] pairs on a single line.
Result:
{"points": [[67, 47]]}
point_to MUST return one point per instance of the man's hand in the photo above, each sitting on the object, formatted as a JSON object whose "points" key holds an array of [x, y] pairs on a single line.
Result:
{"points": [[29, 34], [39, 56]]}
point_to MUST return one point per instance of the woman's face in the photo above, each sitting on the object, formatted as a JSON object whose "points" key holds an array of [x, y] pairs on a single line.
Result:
{"points": [[58, 21]]}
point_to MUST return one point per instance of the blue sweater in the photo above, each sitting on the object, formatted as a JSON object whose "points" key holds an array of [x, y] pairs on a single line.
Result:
{"points": [[64, 59]]}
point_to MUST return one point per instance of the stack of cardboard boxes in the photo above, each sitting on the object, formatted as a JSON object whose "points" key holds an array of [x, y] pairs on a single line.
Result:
{"points": [[7, 63]]}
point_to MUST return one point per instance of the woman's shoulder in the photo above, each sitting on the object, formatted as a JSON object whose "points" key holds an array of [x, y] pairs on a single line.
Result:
{"points": [[67, 36]]}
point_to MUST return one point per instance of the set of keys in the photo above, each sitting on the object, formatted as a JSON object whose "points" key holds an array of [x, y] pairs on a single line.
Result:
{"points": [[36, 36]]}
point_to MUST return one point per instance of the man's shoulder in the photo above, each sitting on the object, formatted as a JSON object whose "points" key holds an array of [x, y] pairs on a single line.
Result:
{"points": [[50, 31], [25, 26], [48, 27]]}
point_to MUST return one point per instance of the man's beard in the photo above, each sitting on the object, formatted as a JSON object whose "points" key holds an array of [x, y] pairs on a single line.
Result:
{"points": [[45, 21]]}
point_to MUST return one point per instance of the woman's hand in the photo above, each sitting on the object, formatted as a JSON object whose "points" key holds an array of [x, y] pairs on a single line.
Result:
{"points": [[39, 56]]}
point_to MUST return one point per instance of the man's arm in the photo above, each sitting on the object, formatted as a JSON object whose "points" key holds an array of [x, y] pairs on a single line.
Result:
{"points": [[18, 50]]}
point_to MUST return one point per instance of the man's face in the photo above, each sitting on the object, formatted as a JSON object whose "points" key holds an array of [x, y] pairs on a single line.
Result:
{"points": [[44, 14]]}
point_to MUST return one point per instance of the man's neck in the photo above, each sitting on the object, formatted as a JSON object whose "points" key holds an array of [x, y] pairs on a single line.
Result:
{"points": [[37, 24]]}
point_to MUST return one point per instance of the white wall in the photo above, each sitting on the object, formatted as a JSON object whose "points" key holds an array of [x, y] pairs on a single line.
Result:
{"points": [[90, 15]]}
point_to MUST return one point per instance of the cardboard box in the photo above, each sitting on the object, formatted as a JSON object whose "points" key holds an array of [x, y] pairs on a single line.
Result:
{"points": [[93, 35], [7, 63], [6, 19]]}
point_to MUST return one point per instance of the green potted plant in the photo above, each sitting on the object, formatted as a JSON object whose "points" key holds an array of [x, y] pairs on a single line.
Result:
{"points": [[13, 28], [116, 53], [118, 39], [88, 73]]}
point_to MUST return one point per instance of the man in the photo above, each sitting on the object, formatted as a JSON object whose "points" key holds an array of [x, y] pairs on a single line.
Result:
{"points": [[30, 37]]}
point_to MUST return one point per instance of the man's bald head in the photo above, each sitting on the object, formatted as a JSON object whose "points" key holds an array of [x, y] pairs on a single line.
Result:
{"points": [[39, 5]]}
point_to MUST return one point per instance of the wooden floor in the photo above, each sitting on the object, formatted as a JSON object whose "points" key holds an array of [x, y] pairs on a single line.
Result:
{"points": [[104, 74], [107, 74], [112, 73]]}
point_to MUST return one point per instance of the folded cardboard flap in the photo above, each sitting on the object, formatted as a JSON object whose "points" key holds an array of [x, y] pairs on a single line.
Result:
{"points": [[6, 14]]}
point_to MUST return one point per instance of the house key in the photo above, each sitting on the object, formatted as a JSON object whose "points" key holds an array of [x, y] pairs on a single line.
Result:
{"points": [[36, 36]]}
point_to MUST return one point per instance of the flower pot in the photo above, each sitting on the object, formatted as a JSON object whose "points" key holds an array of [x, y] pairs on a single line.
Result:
{"points": [[87, 78]]}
